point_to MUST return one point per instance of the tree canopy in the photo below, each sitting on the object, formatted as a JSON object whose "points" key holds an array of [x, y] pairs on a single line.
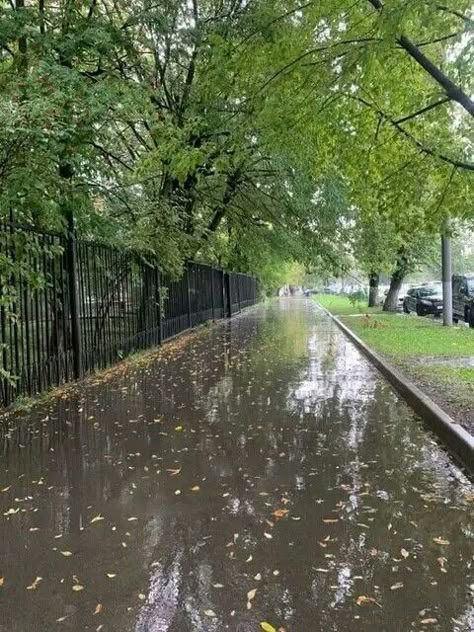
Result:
{"points": [[252, 133]]}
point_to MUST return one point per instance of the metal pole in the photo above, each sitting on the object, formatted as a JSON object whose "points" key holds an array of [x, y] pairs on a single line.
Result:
{"points": [[447, 277], [188, 284], [71, 263]]}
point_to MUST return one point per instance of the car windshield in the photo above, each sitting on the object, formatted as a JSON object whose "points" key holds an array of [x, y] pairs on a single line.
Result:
{"points": [[430, 292]]}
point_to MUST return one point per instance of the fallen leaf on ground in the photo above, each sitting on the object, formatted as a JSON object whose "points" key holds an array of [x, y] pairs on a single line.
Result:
{"points": [[174, 472], [97, 519], [266, 627], [397, 586], [66, 553], [251, 594], [196, 488], [280, 513], [405, 553], [98, 608], [141, 596], [363, 600], [429, 621], [2, 581], [441, 541], [35, 583], [268, 535], [111, 575], [210, 613]]}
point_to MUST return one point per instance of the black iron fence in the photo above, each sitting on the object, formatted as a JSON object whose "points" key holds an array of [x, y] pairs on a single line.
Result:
{"points": [[69, 307]]}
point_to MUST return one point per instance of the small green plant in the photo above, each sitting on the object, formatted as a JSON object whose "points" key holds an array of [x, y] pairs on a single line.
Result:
{"points": [[357, 298]]}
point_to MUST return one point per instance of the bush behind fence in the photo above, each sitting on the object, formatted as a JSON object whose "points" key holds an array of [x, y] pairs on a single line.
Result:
{"points": [[69, 307]]}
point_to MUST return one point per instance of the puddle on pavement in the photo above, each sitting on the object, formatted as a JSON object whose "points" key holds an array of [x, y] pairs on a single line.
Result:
{"points": [[264, 473]]}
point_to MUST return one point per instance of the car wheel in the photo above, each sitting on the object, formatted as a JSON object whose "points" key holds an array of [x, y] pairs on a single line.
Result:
{"points": [[419, 310], [405, 308], [455, 320]]}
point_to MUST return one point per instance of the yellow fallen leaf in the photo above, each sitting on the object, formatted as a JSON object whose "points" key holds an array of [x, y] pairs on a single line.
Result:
{"points": [[251, 594], [280, 513], [178, 428], [5, 489], [2, 581], [177, 492], [174, 472], [266, 627], [98, 608], [77, 587], [111, 575], [405, 553], [132, 519], [330, 520], [196, 488], [66, 553], [429, 621], [363, 600], [396, 586], [210, 613], [141, 596], [268, 535], [441, 541]]}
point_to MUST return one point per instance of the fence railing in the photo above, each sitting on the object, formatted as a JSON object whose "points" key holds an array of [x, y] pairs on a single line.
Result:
{"points": [[69, 307]]}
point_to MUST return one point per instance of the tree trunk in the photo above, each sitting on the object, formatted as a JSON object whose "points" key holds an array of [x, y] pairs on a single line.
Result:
{"points": [[373, 289], [391, 302]]}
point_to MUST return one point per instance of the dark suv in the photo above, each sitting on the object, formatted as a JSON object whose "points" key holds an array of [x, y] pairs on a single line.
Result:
{"points": [[463, 298]]}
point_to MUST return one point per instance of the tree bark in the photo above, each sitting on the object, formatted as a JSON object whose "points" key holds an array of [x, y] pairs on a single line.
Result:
{"points": [[373, 288], [391, 301]]}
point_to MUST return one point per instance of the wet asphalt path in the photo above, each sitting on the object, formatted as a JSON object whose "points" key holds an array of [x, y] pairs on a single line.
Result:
{"points": [[260, 471]]}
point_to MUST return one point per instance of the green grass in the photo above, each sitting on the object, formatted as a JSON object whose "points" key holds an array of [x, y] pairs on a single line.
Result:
{"points": [[341, 305], [410, 336], [450, 374]]}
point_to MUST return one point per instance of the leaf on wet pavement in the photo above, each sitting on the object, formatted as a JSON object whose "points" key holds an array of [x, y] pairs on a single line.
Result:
{"points": [[2, 581], [77, 586], [174, 472], [196, 488], [111, 575], [268, 535], [330, 520], [404, 553], [397, 586], [363, 600], [97, 519], [34, 585], [5, 489], [266, 627], [66, 553], [441, 541], [280, 513], [429, 621], [141, 596], [98, 608], [251, 594], [210, 613]]}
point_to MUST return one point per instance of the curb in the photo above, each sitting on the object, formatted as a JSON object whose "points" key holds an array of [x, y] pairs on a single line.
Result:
{"points": [[458, 441]]}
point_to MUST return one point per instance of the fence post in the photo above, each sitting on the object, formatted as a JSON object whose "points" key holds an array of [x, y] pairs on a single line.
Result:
{"points": [[238, 290], [190, 320], [71, 270], [159, 304], [212, 294], [227, 286]]}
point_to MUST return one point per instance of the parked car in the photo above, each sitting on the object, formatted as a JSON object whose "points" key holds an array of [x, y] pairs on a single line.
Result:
{"points": [[424, 300], [463, 298]]}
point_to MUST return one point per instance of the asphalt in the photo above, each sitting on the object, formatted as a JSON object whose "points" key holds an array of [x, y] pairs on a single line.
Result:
{"points": [[260, 471]]}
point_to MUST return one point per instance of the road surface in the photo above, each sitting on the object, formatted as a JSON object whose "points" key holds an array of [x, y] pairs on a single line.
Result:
{"points": [[258, 471]]}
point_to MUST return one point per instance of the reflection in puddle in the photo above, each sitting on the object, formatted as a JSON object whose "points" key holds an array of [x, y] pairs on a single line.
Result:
{"points": [[263, 457]]}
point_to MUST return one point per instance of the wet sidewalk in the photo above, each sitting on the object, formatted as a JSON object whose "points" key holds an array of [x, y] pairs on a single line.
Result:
{"points": [[261, 471]]}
